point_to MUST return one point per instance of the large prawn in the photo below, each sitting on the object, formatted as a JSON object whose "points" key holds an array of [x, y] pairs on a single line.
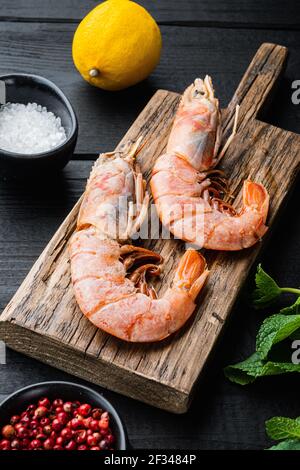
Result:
{"points": [[109, 275], [187, 189]]}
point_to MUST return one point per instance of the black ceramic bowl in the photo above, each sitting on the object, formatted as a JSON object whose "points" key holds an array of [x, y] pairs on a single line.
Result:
{"points": [[68, 391], [26, 88]]}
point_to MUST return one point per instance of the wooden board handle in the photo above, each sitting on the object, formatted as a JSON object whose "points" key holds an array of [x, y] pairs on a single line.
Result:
{"points": [[256, 84]]}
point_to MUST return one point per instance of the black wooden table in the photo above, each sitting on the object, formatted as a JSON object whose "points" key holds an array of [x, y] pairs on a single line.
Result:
{"points": [[218, 37]]}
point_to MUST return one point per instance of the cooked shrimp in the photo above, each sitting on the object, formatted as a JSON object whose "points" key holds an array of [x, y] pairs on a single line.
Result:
{"points": [[188, 190], [109, 275]]}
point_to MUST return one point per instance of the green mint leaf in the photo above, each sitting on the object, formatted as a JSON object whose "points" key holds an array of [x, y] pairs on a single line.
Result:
{"points": [[273, 330], [280, 428], [246, 371], [253, 367], [266, 289], [289, 444], [292, 309]]}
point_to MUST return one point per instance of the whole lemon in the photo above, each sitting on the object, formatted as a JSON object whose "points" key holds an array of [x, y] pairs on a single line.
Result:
{"points": [[116, 45]]}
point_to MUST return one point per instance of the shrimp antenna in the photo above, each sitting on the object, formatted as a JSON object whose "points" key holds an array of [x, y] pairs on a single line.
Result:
{"points": [[234, 129], [132, 149]]}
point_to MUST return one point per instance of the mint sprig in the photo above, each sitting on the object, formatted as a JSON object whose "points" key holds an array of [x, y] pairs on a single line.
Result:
{"points": [[274, 329], [271, 356]]}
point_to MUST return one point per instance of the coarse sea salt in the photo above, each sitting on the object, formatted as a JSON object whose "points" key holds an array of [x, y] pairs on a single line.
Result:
{"points": [[29, 129]]}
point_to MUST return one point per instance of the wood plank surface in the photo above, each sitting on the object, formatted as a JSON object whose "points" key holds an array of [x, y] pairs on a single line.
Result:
{"points": [[162, 374], [273, 13], [188, 52]]}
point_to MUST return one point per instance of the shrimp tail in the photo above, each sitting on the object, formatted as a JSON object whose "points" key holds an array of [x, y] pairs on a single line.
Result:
{"points": [[191, 273], [255, 196]]}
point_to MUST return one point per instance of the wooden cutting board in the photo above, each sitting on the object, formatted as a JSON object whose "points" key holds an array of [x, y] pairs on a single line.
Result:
{"points": [[43, 320]]}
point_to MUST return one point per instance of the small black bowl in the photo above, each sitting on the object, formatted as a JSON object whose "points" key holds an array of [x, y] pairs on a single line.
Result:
{"points": [[26, 88], [18, 402]]}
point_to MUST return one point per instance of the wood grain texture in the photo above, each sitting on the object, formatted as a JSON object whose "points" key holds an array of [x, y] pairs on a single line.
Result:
{"points": [[30, 212], [43, 320], [226, 12], [104, 117]]}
